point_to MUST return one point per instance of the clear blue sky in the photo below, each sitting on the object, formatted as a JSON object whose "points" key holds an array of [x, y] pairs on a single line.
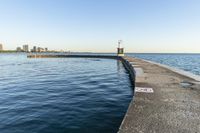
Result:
{"points": [[96, 25]]}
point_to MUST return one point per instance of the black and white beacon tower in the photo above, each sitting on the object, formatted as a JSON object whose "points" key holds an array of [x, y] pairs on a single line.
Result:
{"points": [[120, 50]]}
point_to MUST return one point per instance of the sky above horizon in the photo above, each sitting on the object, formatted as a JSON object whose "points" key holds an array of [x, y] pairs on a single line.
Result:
{"points": [[96, 25]]}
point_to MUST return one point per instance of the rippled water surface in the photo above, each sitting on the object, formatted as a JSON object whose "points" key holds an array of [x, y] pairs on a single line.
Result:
{"points": [[187, 62], [62, 95]]}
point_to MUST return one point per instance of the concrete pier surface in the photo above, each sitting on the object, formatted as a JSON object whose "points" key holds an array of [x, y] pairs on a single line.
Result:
{"points": [[172, 107]]}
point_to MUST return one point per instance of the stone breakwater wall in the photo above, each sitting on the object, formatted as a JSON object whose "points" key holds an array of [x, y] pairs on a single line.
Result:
{"points": [[71, 56], [128, 66]]}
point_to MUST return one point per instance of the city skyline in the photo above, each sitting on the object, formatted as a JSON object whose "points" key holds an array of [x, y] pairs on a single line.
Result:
{"points": [[170, 26]]}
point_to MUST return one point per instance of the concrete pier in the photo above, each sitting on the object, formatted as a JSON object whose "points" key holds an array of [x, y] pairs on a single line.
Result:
{"points": [[71, 56], [172, 107], [166, 100]]}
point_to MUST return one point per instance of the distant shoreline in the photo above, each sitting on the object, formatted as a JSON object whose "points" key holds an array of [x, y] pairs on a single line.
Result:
{"points": [[14, 51], [9, 51]]}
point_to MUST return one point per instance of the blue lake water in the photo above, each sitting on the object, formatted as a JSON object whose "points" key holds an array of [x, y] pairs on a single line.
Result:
{"points": [[62, 95], [187, 62]]}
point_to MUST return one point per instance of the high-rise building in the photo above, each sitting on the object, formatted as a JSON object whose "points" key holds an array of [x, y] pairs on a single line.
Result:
{"points": [[1, 47], [18, 49], [34, 49], [25, 48]]}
